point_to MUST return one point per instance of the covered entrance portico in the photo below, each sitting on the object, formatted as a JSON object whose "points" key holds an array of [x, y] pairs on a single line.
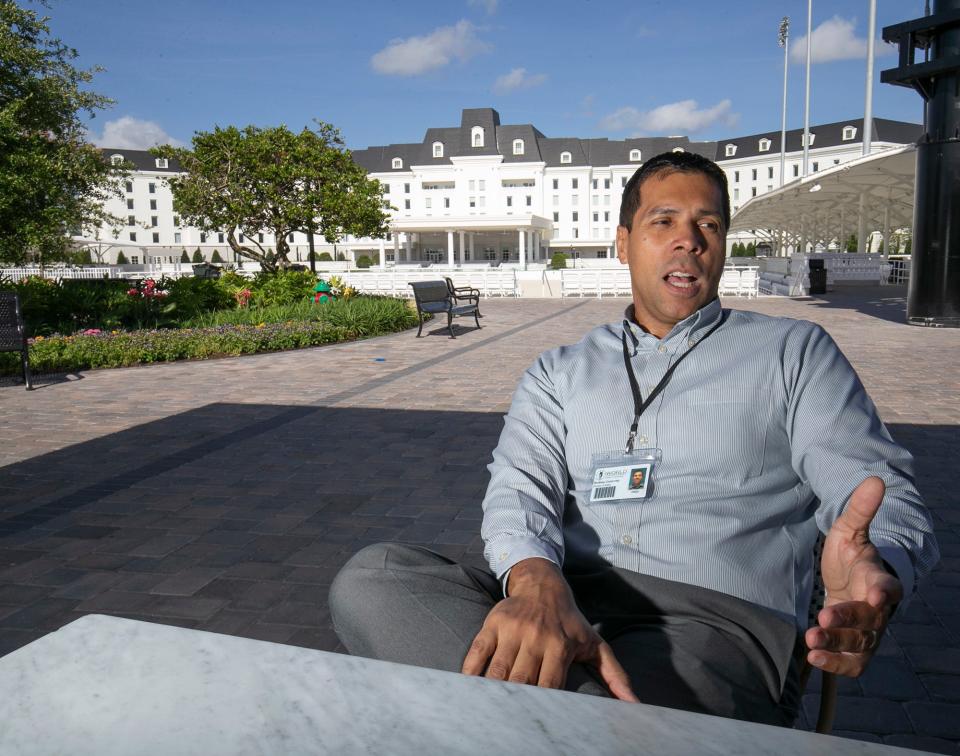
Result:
{"points": [[518, 240]]}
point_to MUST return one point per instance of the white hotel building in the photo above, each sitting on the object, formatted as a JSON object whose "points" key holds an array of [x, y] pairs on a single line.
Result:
{"points": [[487, 193]]}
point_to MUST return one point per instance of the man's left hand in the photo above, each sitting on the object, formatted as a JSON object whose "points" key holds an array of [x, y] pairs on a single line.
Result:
{"points": [[861, 594]]}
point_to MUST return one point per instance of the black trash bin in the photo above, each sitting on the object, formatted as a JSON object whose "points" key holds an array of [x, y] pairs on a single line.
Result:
{"points": [[818, 276]]}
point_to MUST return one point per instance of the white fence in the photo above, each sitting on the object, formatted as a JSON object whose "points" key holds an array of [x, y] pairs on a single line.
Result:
{"points": [[492, 282], [738, 281], [790, 276]]}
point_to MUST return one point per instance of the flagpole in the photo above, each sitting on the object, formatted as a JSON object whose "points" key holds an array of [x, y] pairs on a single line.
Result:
{"points": [[806, 103], [784, 42]]}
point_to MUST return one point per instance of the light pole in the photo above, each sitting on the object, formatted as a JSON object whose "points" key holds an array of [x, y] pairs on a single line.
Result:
{"points": [[784, 42], [868, 107], [806, 100]]}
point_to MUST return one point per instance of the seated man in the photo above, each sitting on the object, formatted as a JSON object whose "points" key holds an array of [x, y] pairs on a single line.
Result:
{"points": [[656, 495]]}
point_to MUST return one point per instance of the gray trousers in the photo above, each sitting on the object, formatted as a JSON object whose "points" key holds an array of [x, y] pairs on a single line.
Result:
{"points": [[683, 646]]}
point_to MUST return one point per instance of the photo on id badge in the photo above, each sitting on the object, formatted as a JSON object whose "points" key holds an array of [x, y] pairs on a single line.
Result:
{"points": [[638, 478]]}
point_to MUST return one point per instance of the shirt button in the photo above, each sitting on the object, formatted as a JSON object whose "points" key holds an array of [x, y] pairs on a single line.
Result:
{"points": [[503, 556], [662, 348], [627, 540], [643, 440], [691, 342]]}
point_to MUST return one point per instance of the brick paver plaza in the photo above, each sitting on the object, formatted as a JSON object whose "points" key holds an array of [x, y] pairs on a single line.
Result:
{"points": [[224, 495]]}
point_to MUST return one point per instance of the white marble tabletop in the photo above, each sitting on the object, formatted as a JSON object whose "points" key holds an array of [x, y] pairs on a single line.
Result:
{"points": [[105, 685]]}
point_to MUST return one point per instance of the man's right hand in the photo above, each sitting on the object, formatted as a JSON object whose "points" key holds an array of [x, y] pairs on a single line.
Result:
{"points": [[537, 632]]}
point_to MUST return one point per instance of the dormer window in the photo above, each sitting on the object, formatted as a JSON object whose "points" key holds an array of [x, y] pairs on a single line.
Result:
{"points": [[438, 149], [810, 143], [476, 136], [730, 150], [634, 156], [764, 145], [678, 149], [849, 132], [566, 157], [397, 163], [517, 146], [116, 160], [161, 162]]}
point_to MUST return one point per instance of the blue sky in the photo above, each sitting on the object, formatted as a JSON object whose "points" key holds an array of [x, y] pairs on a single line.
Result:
{"points": [[383, 71]]}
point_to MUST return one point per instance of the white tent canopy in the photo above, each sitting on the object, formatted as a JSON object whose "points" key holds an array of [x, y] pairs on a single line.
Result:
{"points": [[872, 193]]}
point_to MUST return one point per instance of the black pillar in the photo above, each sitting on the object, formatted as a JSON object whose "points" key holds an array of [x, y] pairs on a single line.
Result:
{"points": [[934, 295]]}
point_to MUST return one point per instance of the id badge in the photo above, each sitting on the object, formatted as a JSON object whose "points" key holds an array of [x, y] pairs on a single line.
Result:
{"points": [[619, 475]]}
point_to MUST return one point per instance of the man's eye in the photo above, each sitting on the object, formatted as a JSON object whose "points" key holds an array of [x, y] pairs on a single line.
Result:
{"points": [[712, 225]]}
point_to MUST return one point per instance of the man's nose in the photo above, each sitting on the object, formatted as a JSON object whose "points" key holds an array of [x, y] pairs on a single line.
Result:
{"points": [[690, 238]]}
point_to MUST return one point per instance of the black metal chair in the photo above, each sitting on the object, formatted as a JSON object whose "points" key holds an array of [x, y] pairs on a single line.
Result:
{"points": [[13, 332], [435, 297], [464, 293]]}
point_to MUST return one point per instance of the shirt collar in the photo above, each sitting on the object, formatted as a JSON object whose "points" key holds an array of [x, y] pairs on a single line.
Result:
{"points": [[698, 322]]}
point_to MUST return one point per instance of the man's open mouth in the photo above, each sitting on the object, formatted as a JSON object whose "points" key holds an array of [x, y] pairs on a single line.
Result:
{"points": [[680, 279]]}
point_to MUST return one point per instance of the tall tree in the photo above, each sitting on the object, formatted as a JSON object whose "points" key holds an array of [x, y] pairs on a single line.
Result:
{"points": [[253, 180], [51, 180]]}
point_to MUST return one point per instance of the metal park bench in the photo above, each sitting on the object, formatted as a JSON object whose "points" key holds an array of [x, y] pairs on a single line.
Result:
{"points": [[436, 297], [13, 333]]}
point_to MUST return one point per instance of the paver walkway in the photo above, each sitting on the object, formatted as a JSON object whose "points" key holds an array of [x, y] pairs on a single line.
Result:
{"points": [[224, 495]]}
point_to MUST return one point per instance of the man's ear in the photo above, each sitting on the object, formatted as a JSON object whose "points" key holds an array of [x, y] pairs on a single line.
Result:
{"points": [[623, 237]]}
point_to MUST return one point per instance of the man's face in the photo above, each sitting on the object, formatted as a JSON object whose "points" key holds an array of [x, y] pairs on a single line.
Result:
{"points": [[675, 249], [637, 479]]}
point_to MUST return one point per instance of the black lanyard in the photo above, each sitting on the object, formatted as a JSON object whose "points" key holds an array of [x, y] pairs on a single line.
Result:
{"points": [[639, 404]]}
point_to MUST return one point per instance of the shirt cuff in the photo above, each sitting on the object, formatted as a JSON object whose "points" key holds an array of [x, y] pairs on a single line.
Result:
{"points": [[896, 557], [508, 552]]}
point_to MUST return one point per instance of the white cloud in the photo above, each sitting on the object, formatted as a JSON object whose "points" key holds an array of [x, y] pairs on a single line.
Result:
{"points": [[834, 39], [518, 78], [490, 6], [129, 133], [674, 118], [417, 55]]}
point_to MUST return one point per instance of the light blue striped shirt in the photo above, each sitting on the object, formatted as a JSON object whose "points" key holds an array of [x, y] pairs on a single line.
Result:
{"points": [[762, 420]]}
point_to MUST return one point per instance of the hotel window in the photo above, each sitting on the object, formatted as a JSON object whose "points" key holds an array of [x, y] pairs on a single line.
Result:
{"points": [[472, 201], [406, 204], [770, 172], [134, 259], [556, 183], [289, 237], [576, 233], [753, 191], [816, 166], [131, 220], [796, 170], [596, 217], [836, 161], [764, 145], [769, 187], [849, 132], [133, 236], [634, 156], [736, 194], [730, 150], [176, 220], [153, 204], [517, 146], [576, 216], [153, 221], [386, 188], [471, 184], [623, 181], [736, 176], [438, 149], [428, 203], [152, 188], [220, 238], [482, 185], [240, 238], [509, 201], [161, 162], [176, 238], [406, 188], [596, 199], [482, 201], [566, 157], [476, 138], [203, 237], [606, 216], [556, 217], [446, 202], [397, 163], [753, 174], [529, 200], [677, 149], [260, 238], [116, 160], [156, 238], [575, 199], [556, 200], [574, 184], [596, 183], [606, 183], [129, 187]]}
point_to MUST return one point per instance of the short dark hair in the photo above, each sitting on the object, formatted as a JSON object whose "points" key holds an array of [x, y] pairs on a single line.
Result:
{"points": [[665, 164]]}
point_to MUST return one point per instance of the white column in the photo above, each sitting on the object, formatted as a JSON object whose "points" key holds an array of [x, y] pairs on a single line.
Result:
{"points": [[396, 247], [473, 254], [886, 232], [383, 255], [522, 241], [450, 248], [862, 225], [408, 244], [460, 251]]}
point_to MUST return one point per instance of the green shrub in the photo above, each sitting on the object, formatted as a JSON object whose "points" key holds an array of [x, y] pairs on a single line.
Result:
{"points": [[559, 260], [364, 262], [215, 257], [282, 287], [81, 257], [184, 257], [324, 257], [121, 258], [341, 257], [188, 297], [197, 255]]}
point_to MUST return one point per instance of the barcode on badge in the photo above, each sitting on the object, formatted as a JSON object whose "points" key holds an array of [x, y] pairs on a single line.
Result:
{"points": [[606, 492]]}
